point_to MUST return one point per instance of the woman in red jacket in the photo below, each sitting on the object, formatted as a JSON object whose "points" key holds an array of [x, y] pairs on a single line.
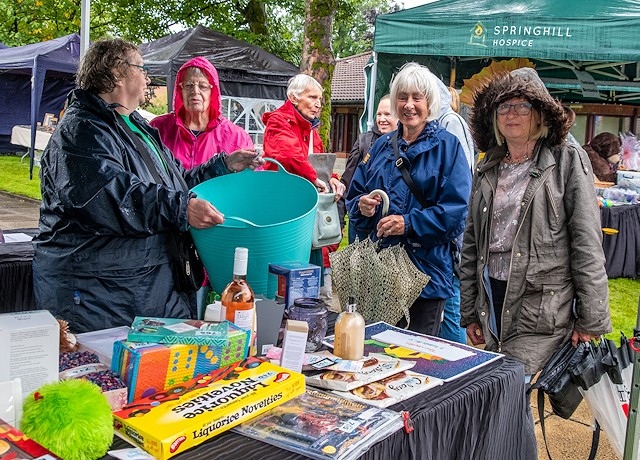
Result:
{"points": [[290, 136]]}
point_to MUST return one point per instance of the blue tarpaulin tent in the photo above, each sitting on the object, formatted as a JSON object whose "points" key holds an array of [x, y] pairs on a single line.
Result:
{"points": [[35, 79]]}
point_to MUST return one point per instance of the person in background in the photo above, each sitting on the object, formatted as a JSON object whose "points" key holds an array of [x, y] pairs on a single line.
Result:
{"points": [[532, 272], [604, 154], [440, 172], [196, 130], [290, 136], [450, 120], [386, 123], [102, 255]]}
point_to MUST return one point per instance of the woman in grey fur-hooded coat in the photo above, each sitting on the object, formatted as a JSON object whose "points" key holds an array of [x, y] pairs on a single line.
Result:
{"points": [[548, 248]]}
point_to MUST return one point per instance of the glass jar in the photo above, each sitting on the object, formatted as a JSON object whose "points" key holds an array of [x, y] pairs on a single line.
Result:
{"points": [[314, 313]]}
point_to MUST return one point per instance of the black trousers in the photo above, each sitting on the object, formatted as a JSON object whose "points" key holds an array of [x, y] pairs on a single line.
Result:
{"points": [[426, 315], [498, 291]]}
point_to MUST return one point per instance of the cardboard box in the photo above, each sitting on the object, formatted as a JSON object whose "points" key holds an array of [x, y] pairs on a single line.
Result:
{"points": [[101, 342], [269, 315], [180, 331], [101, 375], [198, 410], [294, 344], [149, 368], [296, 280], [30, 344]]}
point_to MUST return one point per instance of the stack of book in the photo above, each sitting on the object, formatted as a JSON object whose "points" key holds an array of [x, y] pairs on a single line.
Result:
{"points": [[402, 364]]}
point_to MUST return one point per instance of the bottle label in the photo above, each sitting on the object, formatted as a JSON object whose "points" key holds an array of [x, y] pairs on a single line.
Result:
{"points": [[244, 318]]}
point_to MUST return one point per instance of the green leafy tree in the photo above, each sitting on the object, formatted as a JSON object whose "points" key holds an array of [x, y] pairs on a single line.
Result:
{"points": [[317, 55]]}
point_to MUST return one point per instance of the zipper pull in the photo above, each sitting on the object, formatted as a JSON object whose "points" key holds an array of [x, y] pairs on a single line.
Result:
{"points": [[408, 423]]}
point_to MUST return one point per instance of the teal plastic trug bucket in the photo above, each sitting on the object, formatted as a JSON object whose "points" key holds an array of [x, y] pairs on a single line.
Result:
{"points": [[272, 213]]}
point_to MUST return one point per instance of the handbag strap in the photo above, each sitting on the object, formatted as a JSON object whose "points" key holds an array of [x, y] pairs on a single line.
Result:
{"points": [[404, 166], [595, 439]]}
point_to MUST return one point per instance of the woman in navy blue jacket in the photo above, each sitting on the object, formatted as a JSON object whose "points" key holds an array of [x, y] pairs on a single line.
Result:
{"points": [[433, 158]]}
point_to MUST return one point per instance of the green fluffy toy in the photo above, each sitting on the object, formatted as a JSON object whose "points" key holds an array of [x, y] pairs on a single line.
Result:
{"points": [[71, 418]]}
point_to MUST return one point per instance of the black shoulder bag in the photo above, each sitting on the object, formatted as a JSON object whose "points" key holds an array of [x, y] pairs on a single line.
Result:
{"points": [[557, 382], [188, 271]]}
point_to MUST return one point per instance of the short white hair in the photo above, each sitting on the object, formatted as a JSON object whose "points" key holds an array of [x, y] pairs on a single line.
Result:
{"points": [[300, 83], [412, 78]]}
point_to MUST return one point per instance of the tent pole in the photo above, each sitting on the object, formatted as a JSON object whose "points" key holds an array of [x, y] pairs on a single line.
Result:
{"points": [[452, 72], [633, 425], [85, 9], [372, 91]]}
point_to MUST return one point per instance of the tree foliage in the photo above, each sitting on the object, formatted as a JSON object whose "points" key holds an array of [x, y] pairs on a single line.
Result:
{"points": [[275, 25]]}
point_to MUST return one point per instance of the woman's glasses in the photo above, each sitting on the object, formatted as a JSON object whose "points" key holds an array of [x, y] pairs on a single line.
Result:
{"points": [[143, 68], [191, 85], [521, 108]]}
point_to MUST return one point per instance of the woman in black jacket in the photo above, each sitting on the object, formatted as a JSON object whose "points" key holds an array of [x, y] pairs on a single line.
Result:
{"points": [[102, 256]]}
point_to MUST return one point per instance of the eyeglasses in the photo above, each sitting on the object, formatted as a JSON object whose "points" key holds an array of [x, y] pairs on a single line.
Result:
{"points": [[521, 108], [191, 85], [143, 68]]}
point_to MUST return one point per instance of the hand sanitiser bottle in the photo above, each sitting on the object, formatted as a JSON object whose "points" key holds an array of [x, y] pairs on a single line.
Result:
{"points": [[238, 298], [349, 333]]}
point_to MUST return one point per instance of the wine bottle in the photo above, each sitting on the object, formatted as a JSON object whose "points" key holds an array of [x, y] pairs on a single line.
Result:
{"points": [[238, 298], [349, 333]]}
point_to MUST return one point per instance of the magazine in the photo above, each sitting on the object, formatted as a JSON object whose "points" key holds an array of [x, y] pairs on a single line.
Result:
{"points": [[323, 425], [392, 390], [433, 356], [374, 367]]}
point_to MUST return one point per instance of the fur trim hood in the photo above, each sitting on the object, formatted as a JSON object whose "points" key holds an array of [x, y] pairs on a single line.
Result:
{"points": [[523, 83]]}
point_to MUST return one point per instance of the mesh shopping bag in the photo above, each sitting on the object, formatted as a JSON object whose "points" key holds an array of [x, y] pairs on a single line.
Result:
{"points": [[385, 282]]}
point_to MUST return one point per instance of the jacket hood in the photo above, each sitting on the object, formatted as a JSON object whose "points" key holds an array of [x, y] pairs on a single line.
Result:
{"points": [[210, 71], [523, 83], [445, 98]]}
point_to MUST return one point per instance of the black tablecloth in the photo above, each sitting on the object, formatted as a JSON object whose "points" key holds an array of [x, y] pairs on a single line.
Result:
{"points": [[481, 415], [16, 277], [622, 250]]}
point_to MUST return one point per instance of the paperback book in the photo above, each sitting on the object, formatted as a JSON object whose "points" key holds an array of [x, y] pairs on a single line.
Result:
{"points": [[374, 367], [392, 390], [323, 425], [433, 356]]}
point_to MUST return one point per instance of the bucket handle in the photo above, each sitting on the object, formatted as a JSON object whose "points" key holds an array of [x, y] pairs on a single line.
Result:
{"points": [[244, 223], [385, 200], [277, 163]]}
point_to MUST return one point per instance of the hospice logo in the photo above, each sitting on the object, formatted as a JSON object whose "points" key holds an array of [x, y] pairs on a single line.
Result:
{"points": [[514, 36]]}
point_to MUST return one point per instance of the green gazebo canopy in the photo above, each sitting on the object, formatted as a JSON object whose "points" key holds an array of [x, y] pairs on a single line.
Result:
{"points": [[584, 51]]}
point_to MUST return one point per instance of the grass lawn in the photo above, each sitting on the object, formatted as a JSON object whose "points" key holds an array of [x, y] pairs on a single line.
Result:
{"points": [[624, 293], [14, 177]]}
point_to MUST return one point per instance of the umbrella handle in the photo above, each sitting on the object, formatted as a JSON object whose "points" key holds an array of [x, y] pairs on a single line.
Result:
{"points": [[385, 200], [635, 348]]}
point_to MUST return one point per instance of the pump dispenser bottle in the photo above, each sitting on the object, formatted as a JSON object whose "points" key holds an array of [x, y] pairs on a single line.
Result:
{"points": [[349, 333]]}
